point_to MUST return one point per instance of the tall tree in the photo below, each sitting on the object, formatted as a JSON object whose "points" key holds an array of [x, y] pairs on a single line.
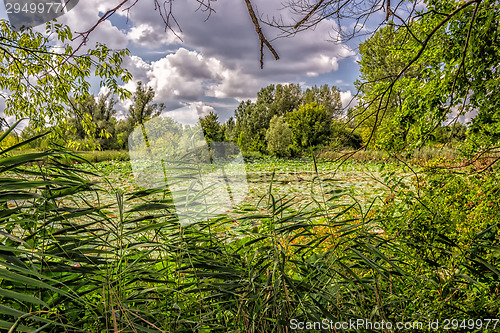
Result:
{"points": [[279, 137], [143, 109], [229, 129], [253, 119], [328, 97], [102, 114], [287, 98], [381, 61], [435, 69], [212, 128]]}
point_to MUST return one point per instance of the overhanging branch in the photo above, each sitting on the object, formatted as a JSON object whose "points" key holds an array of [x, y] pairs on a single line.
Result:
{"points": [[262, 38]]}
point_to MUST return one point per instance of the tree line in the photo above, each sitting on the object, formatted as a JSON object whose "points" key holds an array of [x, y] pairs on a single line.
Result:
{"points": [[413, 80], [285, 120]]}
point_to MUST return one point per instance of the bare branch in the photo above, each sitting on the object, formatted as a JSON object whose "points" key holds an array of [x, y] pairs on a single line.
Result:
{"points": [[165, 11], [168, 16], [309, 14], [388, 10], [85, 35], [262, 38]]}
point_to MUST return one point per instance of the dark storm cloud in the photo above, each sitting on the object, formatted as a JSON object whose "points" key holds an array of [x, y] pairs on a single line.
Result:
{"points": [[216, 57]]}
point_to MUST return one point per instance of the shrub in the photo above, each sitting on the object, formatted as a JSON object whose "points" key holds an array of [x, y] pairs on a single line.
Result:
{"points": [[448, 227], [343, 137]]}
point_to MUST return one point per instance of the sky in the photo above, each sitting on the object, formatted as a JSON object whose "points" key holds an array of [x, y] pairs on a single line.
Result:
{"points": [[213, 62]]}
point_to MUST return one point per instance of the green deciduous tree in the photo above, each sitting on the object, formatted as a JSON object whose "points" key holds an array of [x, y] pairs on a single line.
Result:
{"points": [[328, 97], [343, 136], [229, 129], [454, 133], [142, 107], [39, 81], [251, 126], [285, 99], [212, 128], [279, 137], [310, 125], [253, 119], [101, 113], [447, 65], [381, 61], [141, 110]]}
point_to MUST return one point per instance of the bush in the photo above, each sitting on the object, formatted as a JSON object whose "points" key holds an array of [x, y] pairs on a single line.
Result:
{"points": [[344, 137], [310, 125], [448, 232]]}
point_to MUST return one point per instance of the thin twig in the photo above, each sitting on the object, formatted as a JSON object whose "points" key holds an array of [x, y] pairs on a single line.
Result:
{"points": [[309, 14]]}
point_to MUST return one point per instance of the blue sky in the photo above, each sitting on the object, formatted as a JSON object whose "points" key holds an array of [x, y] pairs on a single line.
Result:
{"points": [[215, 63]]}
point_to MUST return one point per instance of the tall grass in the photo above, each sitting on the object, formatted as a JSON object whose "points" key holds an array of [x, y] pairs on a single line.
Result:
{"points": [[70, 264]]}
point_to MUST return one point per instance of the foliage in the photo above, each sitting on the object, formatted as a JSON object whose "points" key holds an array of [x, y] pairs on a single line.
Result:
{"points": [[382, 59], [329, 98], [252, 120], [105, 155], [449, 56], [106, 131], [40, 81], [343, 136], [450, 134], [278, 137], [70, 265], [310, 125], [212, 128], [450, 230], [249, 129], [142, 107], [9, 140], [59, 250], [101, 113]]}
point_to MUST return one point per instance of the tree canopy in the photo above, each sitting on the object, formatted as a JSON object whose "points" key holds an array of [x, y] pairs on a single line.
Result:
{"points": [[440, 66], [253, 119], [39, 81]]}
